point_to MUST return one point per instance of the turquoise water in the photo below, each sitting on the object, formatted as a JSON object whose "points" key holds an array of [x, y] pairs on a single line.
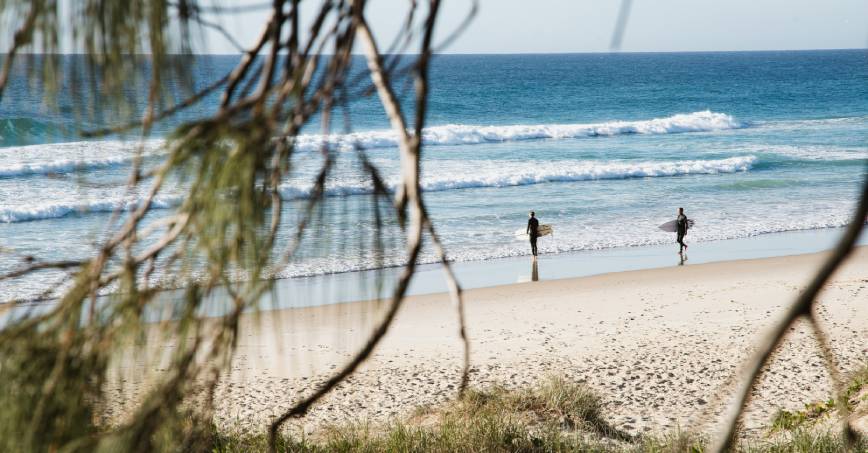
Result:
{"points": [[603, 146]]}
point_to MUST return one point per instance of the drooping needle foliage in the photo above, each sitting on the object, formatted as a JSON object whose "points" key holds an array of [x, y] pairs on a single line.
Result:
{"points": [[221, 238]]}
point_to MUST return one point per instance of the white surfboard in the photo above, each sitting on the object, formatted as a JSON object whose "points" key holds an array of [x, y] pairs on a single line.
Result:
{"points": [[670, 226], [543, 230]]}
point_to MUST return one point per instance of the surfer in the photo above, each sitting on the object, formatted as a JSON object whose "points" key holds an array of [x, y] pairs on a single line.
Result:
{"points": [[533, 231], [681, 225]]}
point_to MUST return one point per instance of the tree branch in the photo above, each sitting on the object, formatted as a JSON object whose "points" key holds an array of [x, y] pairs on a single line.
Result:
{"points": [[22, 37], [802, 306], [410, 172]]}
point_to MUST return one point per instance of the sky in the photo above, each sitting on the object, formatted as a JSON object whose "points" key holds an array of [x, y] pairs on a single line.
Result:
{"points": [[546, 26], [562, 26]]}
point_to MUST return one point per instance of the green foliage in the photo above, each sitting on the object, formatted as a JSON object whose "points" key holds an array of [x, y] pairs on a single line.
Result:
{"points": [[49, 386], [858, 382], [219, 242], [806, 440], [221, 239], [787, 420], [526, 420], [555, 416]]}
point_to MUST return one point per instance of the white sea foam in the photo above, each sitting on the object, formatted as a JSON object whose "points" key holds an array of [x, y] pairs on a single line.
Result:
{"points": [[811, 152], [453, 175], [441, 176], [461, 134], [82, 156], [54, 210], [91, 155], [59, 166], [815, 122], [570, 238], [59, 158]]}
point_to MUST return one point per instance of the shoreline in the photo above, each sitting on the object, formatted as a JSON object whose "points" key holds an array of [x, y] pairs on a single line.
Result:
{"points": [[661, 346], [356, 286], [361, 285]]}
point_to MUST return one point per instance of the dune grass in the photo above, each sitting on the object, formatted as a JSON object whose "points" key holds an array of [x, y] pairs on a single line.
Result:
{"points": [[556, 416], [786, 420]]}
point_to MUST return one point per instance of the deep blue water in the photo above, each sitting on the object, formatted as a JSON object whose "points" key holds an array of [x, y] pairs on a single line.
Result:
{"points": [[602, 146]]}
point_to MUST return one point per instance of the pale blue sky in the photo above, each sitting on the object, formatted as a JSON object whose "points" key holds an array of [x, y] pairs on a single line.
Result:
{"points": [[540, 26], [521, 26]]}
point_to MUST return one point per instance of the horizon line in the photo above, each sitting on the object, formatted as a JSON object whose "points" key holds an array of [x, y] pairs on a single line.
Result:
{"points": [[598, 52]]}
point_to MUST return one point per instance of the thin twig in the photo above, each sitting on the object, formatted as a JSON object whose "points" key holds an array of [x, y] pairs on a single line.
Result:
{"points": [[802, 306], [837, 382], [189, 102], [66, 264], [235, 9], [409, 155], [620, 25], [457, 296], [22, 37]]}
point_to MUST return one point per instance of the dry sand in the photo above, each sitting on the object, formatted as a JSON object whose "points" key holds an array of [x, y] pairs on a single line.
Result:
{"points": [[662, 346]]}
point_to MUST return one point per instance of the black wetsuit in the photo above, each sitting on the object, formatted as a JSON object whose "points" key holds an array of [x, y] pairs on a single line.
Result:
{"points": [[681, 230], [533, 232]]}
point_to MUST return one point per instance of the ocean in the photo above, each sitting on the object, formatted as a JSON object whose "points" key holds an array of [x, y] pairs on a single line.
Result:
{"points": [[605, 147]]}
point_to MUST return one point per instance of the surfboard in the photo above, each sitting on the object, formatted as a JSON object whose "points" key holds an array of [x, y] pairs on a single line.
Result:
{"points": [[670, 227], [543, 230]]}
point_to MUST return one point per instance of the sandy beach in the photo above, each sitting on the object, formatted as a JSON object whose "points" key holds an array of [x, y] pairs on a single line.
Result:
{"points": [[206, 209], [661, 346]]}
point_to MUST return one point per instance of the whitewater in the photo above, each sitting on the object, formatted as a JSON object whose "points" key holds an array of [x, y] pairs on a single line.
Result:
{"points": [[476, 174], [91, 155], [460, 134]]}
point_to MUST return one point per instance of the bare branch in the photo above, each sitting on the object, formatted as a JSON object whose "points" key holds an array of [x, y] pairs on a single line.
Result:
{"points": [[41, 266], [620, 25], [219, 29], [189, 102], [243, 66], [460, 29], [802, 306], [457, 296], [236, 9], [409, 148], [22, 37], [841, 403]]}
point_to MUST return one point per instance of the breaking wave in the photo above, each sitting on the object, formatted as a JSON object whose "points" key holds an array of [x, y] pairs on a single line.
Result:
{"points": [[69, 157], [57, 210], [482, 174], [447, 175], [460, 134], [60, 166], [59, 158]]}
